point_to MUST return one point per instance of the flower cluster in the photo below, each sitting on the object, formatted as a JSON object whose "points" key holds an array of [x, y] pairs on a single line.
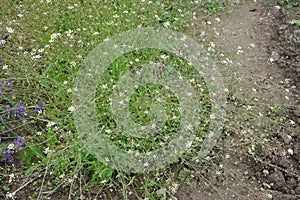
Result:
{"points": [[12, 148], [18, 112], [12, 113]]}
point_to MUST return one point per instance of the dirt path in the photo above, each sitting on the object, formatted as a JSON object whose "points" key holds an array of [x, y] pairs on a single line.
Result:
{"points": [[258, 157]]}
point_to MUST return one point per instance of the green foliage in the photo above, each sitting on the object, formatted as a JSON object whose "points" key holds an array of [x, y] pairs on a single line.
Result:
{"points": [[290, 3], [46, 49], [212, 6], [32, 154], [296, 21]]}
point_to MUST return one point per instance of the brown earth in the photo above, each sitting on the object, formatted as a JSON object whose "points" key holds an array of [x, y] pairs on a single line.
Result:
{"points": [[258, 158]]}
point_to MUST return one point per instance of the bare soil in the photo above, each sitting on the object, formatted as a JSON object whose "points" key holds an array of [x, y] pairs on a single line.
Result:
{"points": [[258, 157]]}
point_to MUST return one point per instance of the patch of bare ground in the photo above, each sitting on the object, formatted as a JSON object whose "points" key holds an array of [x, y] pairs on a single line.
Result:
{"points": [[256, 49]]}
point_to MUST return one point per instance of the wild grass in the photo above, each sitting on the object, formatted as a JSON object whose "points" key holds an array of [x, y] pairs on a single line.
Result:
{"points": [[43, 44]]}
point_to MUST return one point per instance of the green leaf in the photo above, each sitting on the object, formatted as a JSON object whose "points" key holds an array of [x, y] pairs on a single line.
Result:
{"points": [[31, 169], [36, 150], [31, 154], [2, 147], [296, 21]]}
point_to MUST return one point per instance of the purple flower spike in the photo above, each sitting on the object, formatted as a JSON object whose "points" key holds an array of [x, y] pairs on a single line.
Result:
{"points": [[19, 142], [4, 119], [8, 84], [41, 103], [40, 107], [20, 111], [21, 107], [7, 155]]}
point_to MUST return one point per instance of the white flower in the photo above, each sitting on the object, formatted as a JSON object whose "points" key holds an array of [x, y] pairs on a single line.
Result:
{"points": [[73, 63], [11, 146], [39, 133], [69, 90], [70, 180], [65, 82], [10, 195], [55, 35], [210, 49], [96, 33], [36, 57], [164, 57], [11, 177], [2, 42], [290, 151], [69, 33], [157, 17], [116, 16], [218, 20], [146, 164], [292, 122], [47, 151], [188, 144], [239, 52], [108, 131], [71, 109], [167, 24], [9, 30], [50, 124], [5, 67]]}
